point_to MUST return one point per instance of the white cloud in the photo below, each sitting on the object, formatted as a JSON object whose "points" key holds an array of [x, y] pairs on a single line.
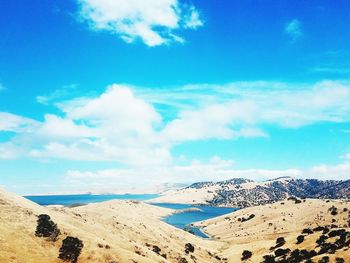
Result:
{"points": [[338, 172], [154, 22], [116, 126], [245, 109], [13, 123], [57, 94], [294, 29], [216, 169], [123, 127]]}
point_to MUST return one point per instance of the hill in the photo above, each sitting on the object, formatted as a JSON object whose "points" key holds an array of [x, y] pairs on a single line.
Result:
{"points": [[244, 193], [129, 231], [113, 231], [296, 230]]}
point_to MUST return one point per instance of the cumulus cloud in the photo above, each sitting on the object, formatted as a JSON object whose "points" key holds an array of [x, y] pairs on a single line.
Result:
{"points": [[122, 125], [154, 22], [293, 28], [115, 126]]}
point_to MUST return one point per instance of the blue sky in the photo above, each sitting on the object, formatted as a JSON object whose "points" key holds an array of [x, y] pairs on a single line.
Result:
{"points": [[105, 95]]}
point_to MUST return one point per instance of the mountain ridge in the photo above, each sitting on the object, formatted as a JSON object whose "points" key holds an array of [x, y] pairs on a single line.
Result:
{"points": [[240, 192]]}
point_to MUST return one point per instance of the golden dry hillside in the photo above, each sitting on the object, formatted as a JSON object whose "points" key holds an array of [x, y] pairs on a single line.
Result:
{"points": [[128, 231], [256, 229], [113, 231]]}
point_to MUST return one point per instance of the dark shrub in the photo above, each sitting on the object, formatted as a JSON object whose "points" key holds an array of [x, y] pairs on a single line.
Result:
{"points": [[295, 256], [183, 260], [321, 240], [280, 242], [339, 260], [325, 259], [269, 259], [335, 233], [70, 249], [319, 228], [327, 248], [307, 254], [251, 216], [46, 228], [300, 239], [333, 210], [325, 230], [189, 248], [307, 231], [156, 249], [282, 252], [246, 255]]}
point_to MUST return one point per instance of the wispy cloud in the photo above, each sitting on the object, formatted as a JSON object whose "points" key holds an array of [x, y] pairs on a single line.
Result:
{"points": [[293, 28], [58, 94], [335, 69], [154, 22]]}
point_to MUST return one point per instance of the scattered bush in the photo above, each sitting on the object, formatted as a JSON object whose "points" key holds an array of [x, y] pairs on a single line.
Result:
{"points": [[156, 249], [269, 259], [70, 249], [300, 239], [325, 259], [246, 255], [280, 242], [189, 248], [318, 228], [307, 231], [242, 219], [333, 210], [339, 260], [47, 228], [282, 252], [321, 240]]}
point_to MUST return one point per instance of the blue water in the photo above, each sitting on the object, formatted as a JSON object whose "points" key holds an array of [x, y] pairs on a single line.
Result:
{"points": [[68, 200], [184, 220], [181, 220]]}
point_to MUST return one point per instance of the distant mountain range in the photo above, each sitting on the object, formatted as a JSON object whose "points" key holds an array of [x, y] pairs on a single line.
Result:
{"points": [[239, 192]]}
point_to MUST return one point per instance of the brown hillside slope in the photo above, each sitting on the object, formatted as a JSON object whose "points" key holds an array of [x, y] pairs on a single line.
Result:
{"points": [[285, 219], [113, 231]]}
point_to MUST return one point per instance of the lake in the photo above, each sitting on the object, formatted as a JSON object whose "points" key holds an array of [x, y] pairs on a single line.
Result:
{"points": [[179, 220], [183, 220], [68, 200]]}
